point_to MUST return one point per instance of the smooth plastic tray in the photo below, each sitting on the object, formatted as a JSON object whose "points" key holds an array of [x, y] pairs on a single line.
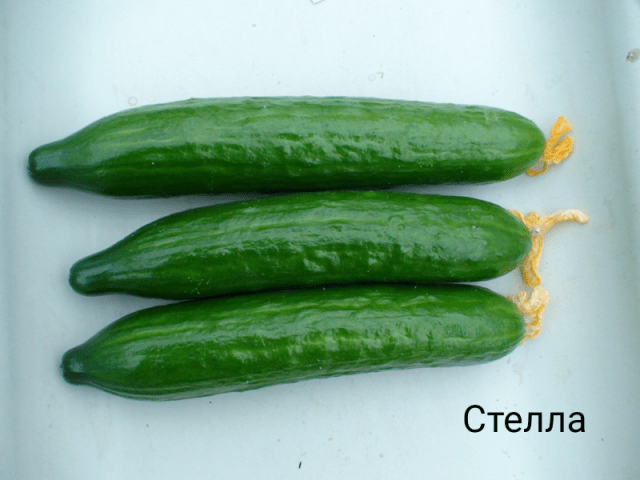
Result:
{"points": [[66, 64]]}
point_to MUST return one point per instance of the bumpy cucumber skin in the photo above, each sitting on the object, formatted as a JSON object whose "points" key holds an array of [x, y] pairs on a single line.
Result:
{"points": [[309, 239], [287, 144], [230, 344]]}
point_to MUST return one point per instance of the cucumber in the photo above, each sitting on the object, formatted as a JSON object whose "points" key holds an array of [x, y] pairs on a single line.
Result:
{"points": [[288, 144], [236, 343], [309, 239]]}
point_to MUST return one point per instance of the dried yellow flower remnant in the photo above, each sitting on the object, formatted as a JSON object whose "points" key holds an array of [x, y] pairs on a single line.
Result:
{"points": [[538, 226], [531, 309], [556, 148]]}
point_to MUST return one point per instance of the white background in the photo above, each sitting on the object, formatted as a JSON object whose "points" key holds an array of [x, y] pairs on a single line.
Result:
{"points": [[65, 64]]}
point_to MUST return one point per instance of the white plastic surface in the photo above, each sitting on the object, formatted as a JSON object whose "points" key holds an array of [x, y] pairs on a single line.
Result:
{"points": [[66, 64]]}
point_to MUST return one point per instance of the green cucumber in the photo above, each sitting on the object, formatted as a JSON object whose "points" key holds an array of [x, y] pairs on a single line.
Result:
{"points": [[236, 343], [287, 144], [309, 239]]}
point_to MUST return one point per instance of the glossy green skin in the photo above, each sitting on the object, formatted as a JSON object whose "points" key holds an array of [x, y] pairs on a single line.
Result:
{"points": [[287, 144], [309, 239], [207, 347]]}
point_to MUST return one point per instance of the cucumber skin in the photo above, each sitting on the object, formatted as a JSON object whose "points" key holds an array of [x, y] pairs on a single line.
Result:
{"points": [[213, 346], [288, 144], [309, 239]]}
